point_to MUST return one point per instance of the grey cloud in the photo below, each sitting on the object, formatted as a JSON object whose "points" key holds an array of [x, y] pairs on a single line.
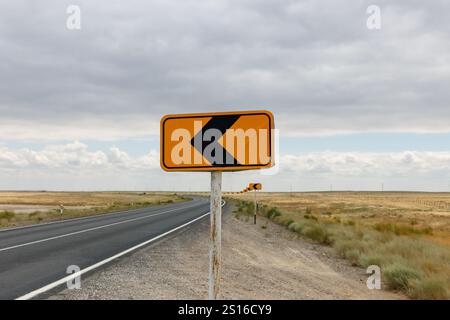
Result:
{"points": [[74, 156], [314, 63], [75, 166]]}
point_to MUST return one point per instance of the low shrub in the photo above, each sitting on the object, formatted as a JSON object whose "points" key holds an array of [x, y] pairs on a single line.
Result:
{"points": [[430, 289], [8, 215], [371, 259], [354, 256], [342, 246], [399, 276], [273, 213], [349, 223], [287, 223], [400, 229], [317, 233]]}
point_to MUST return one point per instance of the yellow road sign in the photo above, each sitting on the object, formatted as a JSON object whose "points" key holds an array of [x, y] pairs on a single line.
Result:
{"points": [[224, 141], [255, 186]]}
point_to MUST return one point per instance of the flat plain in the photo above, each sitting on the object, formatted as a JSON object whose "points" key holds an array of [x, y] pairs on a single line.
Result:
{"points": [[406, 234], [22, 208]]}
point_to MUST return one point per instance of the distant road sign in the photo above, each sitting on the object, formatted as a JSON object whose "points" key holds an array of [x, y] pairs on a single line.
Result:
{"points": [[224, 141], [255, 186]]}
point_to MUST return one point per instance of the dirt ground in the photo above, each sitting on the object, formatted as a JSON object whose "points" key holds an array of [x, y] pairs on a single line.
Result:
{"points": [[265, 261]]}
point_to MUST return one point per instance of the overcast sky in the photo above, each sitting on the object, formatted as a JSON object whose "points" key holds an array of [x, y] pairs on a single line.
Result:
{"points": [[356, 107]]}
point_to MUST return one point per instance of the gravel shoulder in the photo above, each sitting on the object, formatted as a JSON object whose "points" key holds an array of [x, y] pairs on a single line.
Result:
{"points": [[265, 261]]}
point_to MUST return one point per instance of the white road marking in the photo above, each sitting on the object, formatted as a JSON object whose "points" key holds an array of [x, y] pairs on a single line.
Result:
{"points": [[59, 282], [90, 229], [100, 215]]}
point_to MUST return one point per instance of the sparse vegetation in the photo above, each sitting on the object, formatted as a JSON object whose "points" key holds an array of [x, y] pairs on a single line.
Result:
{"points": [[400, 276], [7, 215], [410, 242], [401, 229], [77, 204]]}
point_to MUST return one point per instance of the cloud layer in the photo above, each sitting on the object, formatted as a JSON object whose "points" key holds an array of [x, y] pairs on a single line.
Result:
{"points": [[314, 63], [74, 156], [75, 167], [366, 164]]}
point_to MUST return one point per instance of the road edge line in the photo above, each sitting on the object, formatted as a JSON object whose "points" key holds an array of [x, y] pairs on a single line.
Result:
{"points": [[89, 229], [99, 215]]}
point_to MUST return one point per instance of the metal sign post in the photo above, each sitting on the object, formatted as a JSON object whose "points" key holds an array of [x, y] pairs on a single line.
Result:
{"points": [[256, 207], [215, 247]]}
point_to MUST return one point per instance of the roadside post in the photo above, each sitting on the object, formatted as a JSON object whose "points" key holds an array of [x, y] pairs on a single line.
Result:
{"points": [[255, 187], [215, 251], [215, 143], [256, 207]]}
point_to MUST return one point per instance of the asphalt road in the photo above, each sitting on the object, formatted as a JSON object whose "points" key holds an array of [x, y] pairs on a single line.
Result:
{"points": [[33, 257]]}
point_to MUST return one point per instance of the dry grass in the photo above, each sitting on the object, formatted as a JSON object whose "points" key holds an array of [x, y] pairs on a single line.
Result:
{"points": [[77, 204], [406, 234], [81, 198]]}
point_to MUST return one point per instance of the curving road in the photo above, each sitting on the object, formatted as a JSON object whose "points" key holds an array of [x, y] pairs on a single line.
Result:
{"points": [[32, 258]]}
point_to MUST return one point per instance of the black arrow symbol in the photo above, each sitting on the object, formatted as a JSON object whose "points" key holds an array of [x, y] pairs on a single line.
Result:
{"points": [[221, 123]]}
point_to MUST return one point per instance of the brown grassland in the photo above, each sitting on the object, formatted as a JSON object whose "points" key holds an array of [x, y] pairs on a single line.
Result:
{"points": [[407, 234], [77, 204]]}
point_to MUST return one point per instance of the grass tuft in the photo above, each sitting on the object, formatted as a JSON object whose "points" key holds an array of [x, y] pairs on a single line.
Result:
{"points": [[430, 289], [317, 233], [400, 276], [7, 215]]}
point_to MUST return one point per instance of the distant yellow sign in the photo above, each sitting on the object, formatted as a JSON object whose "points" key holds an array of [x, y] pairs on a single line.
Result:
{"points": [[255, 186], [224, 141]]}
